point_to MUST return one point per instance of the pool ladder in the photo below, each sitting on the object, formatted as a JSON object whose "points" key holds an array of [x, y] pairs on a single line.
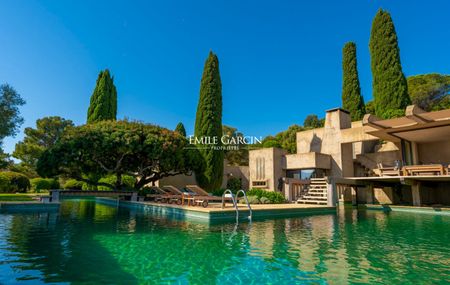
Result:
{"points": [[234, 199]]}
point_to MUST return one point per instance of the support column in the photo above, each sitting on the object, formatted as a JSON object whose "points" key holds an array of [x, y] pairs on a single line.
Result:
{"points": [[287, 191], [354, 197], [134, 197], [331, 193], [415, 189], [369, 194]]}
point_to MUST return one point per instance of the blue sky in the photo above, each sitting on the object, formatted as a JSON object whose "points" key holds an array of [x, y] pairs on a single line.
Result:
{"points": [[279, 60]]}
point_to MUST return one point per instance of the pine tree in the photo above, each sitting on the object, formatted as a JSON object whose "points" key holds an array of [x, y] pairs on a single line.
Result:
{"points": [[180, 128], [390, 91], [103, 104], [208, 123], [352, 100]]}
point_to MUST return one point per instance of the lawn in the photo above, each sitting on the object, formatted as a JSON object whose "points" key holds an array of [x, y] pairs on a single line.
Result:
{"points": [[15, 198]]}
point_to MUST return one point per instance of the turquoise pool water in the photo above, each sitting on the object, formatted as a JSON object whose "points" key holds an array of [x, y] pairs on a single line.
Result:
{"points": [[90, 243]]}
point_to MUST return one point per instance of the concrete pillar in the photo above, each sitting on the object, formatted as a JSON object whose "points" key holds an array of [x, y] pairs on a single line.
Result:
{"points": [[134, 197], [287, 189], [369, 194], [354, 200], [415, 188], [331, 193], [55, 196]]}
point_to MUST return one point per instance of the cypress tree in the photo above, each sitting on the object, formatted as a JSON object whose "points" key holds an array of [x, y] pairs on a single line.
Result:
{"points": [[390, 91], [208, 123], [352, 100], [180, 128], [103, 104]]}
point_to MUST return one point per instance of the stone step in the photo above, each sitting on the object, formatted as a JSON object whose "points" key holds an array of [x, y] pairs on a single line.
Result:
{"points": [[311, 202], [316, 191], [316, 194], [306, 197]]}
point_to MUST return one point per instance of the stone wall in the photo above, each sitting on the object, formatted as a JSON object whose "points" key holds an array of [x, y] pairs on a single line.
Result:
{"points": [[267, 164], [436, 152]]}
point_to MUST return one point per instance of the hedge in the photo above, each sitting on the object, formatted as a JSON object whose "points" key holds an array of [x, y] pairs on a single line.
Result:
{"points": [[127, 180], [12, 182], [272, 196], [38, 184], [234, 183], [73, 184]]}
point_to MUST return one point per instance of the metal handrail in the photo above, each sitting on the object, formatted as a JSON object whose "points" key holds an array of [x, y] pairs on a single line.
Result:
{"points": [[228, 194], [228, 191], [246, 200]]}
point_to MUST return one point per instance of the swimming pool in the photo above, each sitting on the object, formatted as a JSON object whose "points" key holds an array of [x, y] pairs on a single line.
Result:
{"points": [[92, 243]]}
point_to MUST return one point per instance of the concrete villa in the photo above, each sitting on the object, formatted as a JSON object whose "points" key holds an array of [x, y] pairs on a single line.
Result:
{"points": [[403, 161]]}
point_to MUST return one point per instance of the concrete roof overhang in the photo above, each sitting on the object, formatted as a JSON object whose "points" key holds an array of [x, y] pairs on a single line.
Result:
{"points": [[417, 126], [408, 180]]}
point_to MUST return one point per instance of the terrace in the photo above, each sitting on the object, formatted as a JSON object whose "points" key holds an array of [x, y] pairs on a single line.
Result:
{"points": [[423, 139]]}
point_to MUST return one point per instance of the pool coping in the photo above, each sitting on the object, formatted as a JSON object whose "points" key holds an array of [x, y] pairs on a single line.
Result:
{"points": [[217, 214], [15, 206], [409, 209]]}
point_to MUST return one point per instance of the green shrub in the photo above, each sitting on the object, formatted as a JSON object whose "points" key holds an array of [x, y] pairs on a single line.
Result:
{"points": [[127, 180], [145, 191], [234, 184], [274, 197], [89, 187], [255, 192], [73, 184], [5, 186], [264, 200], [251, 200], [38, 184], [12, 182]]}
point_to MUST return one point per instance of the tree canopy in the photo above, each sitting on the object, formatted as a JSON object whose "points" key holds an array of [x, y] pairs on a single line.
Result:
{"points": [[10, 119], [286, 139], [180, 128], [46, 134], [431, 92], [103, 104], [352, 99], [118, 148], [238, 154], [312, 122], [390, 90], [208, 123]]}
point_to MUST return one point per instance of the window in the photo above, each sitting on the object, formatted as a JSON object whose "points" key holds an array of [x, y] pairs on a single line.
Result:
{"points": [[305, 174], [407, 152]]}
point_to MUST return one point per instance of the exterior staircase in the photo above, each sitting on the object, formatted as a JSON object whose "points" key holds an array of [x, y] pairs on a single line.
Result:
{"points": [[365, 161], [317, 192]]}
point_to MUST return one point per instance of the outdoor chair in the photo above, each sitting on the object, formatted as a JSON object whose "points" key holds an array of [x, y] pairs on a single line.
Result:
{"points": [[389, 170], [165, 196], [425, 169], [186, 196], [202, 197]]}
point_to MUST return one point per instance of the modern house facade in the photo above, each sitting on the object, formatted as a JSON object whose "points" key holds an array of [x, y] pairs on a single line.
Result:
{"points": [[397, 161]]}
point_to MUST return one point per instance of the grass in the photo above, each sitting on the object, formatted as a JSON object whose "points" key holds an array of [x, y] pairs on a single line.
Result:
{"points": [[15, 197]]}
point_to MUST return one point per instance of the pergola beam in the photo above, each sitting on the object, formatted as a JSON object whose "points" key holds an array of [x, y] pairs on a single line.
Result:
{"points": [[371, 121], [413, 112]]}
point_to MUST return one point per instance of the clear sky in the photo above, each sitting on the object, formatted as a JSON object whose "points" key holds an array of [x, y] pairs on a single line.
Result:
{"points": [[279, 60]]}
